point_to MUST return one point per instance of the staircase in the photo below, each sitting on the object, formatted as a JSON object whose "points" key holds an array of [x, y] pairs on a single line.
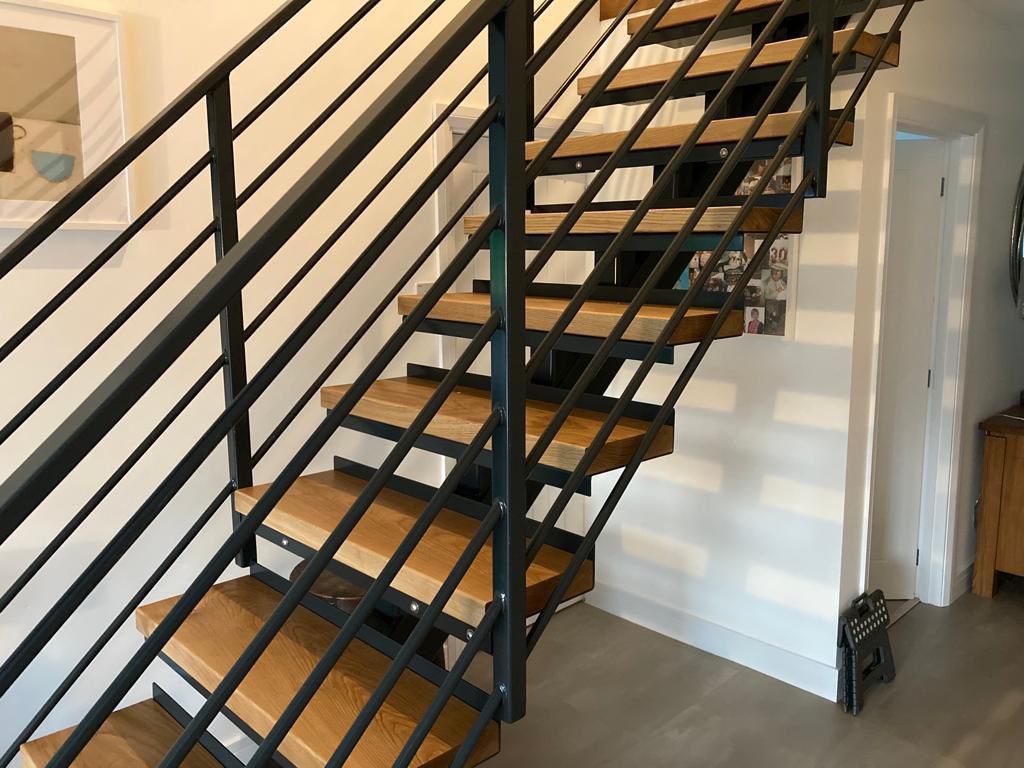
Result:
{"points": [[317, 677]]}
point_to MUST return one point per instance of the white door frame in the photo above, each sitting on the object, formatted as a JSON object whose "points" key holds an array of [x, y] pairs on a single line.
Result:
{"points": [[964, 131]]}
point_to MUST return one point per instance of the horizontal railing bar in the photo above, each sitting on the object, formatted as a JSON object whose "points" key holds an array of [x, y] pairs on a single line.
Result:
{"points": [[113, 166], [144, 516], [581, 10], [294, 468], [447, 689], [869, 73], [383, 580], [660, 185], [296, 144], [482, 720], [115, 626], [423, 626], [101, 260], [367, 324], [641, 450], [578, 474], [104, 336], [296, 74], [83, 514], [49, 464], [652, 281]]}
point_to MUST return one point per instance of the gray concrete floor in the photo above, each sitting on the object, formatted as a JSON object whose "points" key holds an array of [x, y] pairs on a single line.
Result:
{"points": [[604, 692]]}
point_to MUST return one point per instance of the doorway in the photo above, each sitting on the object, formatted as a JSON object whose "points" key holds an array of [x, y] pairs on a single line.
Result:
{"points": [[906, 359], [923, 304]]}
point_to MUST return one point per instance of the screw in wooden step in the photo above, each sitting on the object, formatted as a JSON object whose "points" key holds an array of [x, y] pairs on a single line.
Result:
{"points": [[723, 152], [414, 607], [469, 635], [579, 165]]}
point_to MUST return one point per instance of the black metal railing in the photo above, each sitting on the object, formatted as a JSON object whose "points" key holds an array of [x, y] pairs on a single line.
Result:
{"points": [[216, 298]]}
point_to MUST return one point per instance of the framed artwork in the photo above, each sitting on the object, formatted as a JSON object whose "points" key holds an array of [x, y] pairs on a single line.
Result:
{"points": [[61, 111]]}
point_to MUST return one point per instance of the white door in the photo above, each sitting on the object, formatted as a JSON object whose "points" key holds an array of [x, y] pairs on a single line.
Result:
{"points": [[906, 358]]}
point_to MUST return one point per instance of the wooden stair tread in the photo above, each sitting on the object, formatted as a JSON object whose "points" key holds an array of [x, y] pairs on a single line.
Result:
{"points": [[694, 13], [658, 221], [595, 318], [139, 735], [315, 505], [398, 401], [726, 62], [728, 131], [228, 618]]}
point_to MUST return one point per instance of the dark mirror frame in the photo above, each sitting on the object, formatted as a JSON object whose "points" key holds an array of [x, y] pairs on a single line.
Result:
{"points": [[1017, 248]]}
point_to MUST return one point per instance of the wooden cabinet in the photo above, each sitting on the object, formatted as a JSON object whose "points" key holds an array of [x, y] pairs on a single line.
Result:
{"points": [[1001, 514]]}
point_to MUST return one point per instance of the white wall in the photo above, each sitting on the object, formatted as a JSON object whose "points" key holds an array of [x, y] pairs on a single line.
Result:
{"points": [[167, 45], [744, 541]]}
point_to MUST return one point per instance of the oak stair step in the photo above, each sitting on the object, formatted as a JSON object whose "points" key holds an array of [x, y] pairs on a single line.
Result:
{"points": [[398, 401], [136, 736], [659, 221], [688, 21], [316, 504], [228, 618], [595, 319], [712, 65], [727, 131], [695, 13]]}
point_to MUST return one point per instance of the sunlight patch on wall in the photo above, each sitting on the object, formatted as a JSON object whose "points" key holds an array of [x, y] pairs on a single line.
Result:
{"points": [[710, 395], [688, 470], [832, 249], [801, 498], [832, 329], [655, 547], [806, 596], [807, 410]]}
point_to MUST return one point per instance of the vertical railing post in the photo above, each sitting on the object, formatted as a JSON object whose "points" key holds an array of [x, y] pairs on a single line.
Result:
{"points": [[819, 90], [225, 212], [508, 41]]}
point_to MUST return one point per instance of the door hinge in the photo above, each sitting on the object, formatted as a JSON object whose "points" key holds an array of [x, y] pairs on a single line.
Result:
{"points": [[942, 191], [929, 378], [917, 561]]}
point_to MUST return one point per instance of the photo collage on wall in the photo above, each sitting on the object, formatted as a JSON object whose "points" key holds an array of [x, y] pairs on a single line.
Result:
{"points": [[768, 295]]}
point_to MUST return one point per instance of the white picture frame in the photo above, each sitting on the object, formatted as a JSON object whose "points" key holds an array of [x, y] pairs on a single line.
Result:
{"points": [[99, 77]]}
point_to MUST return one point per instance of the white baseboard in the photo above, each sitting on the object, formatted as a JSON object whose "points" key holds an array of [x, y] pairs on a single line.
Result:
{"points": [[961, 583], [799, 671]]}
